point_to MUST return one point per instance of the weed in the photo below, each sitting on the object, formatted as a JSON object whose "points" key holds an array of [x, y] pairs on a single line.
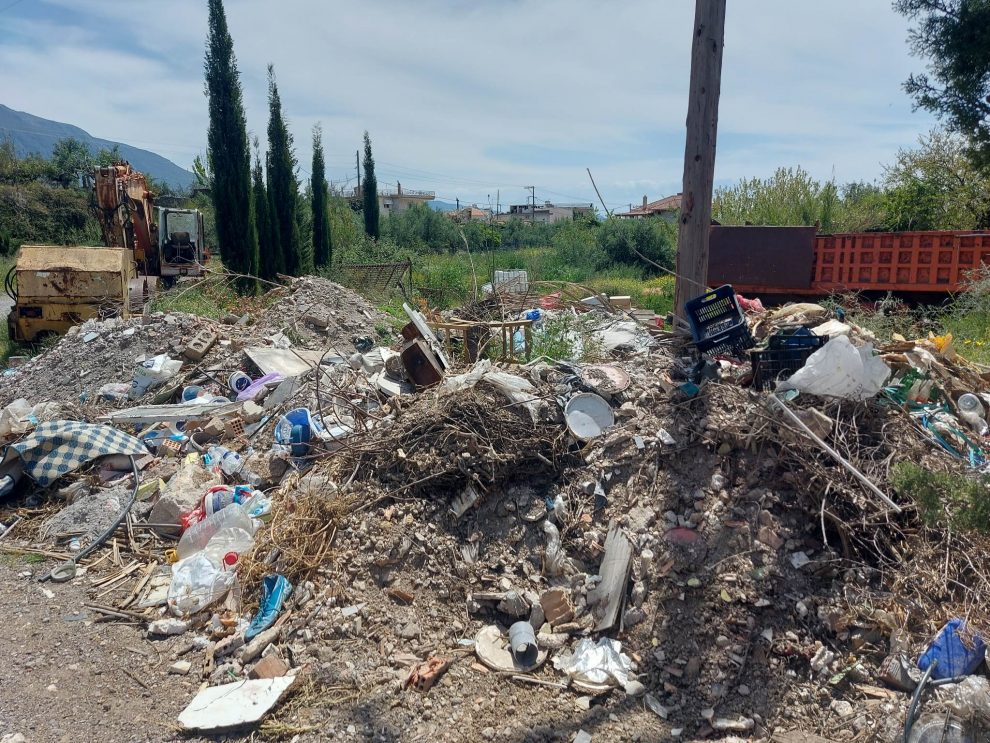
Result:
{"points": [[945, 498], [566, 338]]}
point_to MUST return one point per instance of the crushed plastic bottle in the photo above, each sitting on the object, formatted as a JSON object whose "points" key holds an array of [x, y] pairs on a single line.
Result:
{"points": [[231, 540], [197, 582], [196, 537]]}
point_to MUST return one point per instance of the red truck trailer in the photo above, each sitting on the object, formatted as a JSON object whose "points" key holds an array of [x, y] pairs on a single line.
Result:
{"points": [[797, 261]]}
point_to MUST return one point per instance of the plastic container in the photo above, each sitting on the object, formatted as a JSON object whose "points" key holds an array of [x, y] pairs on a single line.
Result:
{"points": [[587, 415], [970, 403], [957, 650], [718, 325], [197, 581], [197, 536], [238, 381], [777, 364], [191, 392], [229, 541]]}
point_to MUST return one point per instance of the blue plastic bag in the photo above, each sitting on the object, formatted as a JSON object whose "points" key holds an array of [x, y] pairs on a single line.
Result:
{"points": [[956, 650]]}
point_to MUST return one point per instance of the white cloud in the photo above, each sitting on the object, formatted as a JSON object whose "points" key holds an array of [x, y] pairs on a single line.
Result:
{"points": [[443, 84]]}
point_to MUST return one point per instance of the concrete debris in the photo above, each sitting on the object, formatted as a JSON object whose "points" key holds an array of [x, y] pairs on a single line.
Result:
{"points": [[230, 706], [398, 515]]}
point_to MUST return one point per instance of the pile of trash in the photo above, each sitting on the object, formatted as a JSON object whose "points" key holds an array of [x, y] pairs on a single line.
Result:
{"points": [[677, 540]]}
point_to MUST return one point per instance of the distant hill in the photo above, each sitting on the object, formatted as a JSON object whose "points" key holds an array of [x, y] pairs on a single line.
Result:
{"points": [[33, 134], [442, 206]]}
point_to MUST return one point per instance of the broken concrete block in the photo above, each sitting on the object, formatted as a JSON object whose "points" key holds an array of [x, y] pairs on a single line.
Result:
{"points": [[269, 667], [233, 705], [167, 627], [252, 412], [181, 495], [180, 667], [199, 346]]}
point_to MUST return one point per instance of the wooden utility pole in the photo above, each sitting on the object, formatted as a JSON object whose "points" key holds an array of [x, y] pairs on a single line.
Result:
{"points": [[699, 151]]}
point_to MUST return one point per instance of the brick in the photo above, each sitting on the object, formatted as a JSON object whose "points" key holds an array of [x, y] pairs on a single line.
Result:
{"points": [[556, 606], [199, 346], [269, 667]]}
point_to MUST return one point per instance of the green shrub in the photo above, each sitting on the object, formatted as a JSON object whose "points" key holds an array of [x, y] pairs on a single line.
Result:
{"points": [[945, 499]]}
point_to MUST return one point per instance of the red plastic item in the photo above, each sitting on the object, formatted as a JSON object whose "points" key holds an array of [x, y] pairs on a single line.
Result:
{"points": [[550, 301], [230, 559]]}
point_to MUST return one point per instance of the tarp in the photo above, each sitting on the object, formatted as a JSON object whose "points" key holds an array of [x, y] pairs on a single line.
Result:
{"points": [[60, 447]]}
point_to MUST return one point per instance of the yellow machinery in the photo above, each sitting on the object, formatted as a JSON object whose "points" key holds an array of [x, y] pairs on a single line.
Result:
{"points": [[55, 287]]}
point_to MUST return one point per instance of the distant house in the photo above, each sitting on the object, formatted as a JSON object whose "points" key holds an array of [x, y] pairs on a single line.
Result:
{"points": [[395, 200], [547, 213], [472, 213], [667, 208]]}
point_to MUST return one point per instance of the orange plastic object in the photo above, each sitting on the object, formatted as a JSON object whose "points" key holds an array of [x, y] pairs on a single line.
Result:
{"points": [[898, 261]]}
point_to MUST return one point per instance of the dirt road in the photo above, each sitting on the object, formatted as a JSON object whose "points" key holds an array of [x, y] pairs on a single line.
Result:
{"points": [[66, 677]]}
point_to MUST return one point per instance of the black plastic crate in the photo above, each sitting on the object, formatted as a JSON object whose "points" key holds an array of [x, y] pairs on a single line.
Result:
{"points": [[795, 338], [777, 364], [718, 325]]}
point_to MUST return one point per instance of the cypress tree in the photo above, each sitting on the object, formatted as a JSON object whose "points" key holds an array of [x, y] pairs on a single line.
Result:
{"points": [[282, 187], [267, 243], [229, 152], [370, 191], [319, 196], [275, 240]]}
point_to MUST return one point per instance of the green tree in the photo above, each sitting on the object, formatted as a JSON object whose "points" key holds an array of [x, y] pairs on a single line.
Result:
{"points": [[954, 37], [71, 161], [320, 204], [268, 247], [283, 189], [369, 191], [201, 169], [936, 186], [229, 152]]}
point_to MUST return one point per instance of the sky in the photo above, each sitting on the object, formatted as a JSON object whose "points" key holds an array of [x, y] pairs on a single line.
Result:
{"points": [[476, 100]]}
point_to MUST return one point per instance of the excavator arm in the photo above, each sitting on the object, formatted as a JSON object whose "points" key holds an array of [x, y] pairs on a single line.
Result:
{"points": [[123, 207]]}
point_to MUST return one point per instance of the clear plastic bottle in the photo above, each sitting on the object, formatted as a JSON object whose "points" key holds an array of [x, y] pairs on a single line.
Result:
{"points": [[197, 582], [197, 536], [231, 540], [970, 403]]}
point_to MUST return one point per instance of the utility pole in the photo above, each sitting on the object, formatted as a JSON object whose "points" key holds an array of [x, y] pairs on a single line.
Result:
{"points": [[699, 151], [532, 213], [357, 160]]}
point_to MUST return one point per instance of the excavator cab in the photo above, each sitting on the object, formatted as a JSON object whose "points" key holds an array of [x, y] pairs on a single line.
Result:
{"points": [[181, 243]]}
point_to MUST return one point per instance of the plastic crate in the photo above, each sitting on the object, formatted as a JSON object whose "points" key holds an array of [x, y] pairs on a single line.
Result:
{"points": [[718, 325], [777, 364], [795, 338]]}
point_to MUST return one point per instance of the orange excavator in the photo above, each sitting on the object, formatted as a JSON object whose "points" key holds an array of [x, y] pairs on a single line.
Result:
{"points": [[54, 287], [169, 247]]}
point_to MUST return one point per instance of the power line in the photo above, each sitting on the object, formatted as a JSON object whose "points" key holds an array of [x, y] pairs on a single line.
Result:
{"points": [[5, 8]]}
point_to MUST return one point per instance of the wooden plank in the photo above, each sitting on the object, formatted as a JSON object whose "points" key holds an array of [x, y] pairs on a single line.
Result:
{"points": [[614, 573]]}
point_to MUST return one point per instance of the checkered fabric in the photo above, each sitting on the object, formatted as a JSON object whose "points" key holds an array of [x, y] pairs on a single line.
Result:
{"points": [[60, 447]]}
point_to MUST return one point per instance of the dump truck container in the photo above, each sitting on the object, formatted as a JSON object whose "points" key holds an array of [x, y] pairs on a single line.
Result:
{"points": [[57, 287]]}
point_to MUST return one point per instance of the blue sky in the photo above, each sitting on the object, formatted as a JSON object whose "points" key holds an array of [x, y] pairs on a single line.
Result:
{"points": [[478, 99]]}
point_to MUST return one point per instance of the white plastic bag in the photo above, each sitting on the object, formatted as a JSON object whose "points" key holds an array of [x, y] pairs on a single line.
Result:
{"points": [[601, 662], [839, 369], [153, 372]]}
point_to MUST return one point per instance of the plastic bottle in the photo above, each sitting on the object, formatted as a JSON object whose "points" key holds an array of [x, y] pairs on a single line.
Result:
{"points": [[197, 582], [970, 403], [197, 536], [221, 496], [229, 462], [229, 540]]}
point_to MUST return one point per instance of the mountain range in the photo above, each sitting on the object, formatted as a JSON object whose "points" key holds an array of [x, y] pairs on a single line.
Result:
{"points": [[33, 134]]}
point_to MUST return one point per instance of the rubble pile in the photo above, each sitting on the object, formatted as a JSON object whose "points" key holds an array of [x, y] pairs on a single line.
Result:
{"points": [[662, 544]]}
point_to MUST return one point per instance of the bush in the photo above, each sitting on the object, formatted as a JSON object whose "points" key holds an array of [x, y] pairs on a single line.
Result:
{"points": [[945, 499]]}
